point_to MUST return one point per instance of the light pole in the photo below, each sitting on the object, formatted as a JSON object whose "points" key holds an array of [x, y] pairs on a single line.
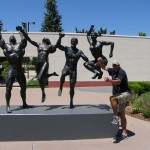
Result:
{"points": [[1, 24], [30, 23]]}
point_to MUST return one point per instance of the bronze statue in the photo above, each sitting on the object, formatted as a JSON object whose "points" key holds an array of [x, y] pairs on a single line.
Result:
{"points": [[96, 51], [42, 66], [73, 55], [14, 53]]}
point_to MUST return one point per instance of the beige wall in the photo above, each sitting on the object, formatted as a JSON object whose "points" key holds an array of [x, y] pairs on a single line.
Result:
{"points": [[133, 53]]}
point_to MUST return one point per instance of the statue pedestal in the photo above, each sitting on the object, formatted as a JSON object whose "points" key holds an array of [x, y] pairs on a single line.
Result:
{"points": [[56, 122]]}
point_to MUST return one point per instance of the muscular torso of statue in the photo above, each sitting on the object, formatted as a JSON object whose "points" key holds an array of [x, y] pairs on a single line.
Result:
{"points": [[43, 53], [72, 57], [14, 55], [96, 50]]}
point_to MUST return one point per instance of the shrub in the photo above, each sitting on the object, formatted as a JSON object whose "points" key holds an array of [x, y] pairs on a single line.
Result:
{"points": [[6, 68], [137, 106], [34, 84], [139, 88], [142, 105], [145, 101]]}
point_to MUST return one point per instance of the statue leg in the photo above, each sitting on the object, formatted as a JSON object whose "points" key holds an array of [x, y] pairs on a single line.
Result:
{"points": [[98, 68], [41, 81], [72, 86], [9, 83], [42, 71], [62, 80], [22, 82], [52, 74], [90, 65]]}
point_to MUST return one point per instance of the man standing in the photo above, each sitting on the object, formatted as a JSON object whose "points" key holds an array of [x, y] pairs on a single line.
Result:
{"points": [[121, 93]]}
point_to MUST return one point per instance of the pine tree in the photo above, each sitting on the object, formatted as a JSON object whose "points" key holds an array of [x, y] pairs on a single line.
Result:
{"points": [[52, 19]]}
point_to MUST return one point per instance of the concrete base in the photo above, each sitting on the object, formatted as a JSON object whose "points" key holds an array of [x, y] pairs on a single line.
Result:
{"points": [[53, 122]]}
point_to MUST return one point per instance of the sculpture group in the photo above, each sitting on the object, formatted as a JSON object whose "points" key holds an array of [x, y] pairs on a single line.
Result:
{"points": [[14, 53]]}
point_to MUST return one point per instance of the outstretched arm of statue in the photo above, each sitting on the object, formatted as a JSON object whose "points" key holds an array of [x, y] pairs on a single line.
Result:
{"points": [[100, 61], [111, 47], [19, 28], [88, 34], [2, 42], [85, 58], [58, 44]]}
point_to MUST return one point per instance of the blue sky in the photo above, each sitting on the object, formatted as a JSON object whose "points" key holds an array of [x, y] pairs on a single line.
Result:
{"points": [[126, 17]]}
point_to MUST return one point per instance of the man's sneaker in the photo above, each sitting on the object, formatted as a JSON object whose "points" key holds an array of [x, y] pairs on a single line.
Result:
{"points": [[124, 137], [120, 138], [115, 120], [118, 135]]}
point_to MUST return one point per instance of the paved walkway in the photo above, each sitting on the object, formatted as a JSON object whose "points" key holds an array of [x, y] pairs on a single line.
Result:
{"points": [[139, 131]]}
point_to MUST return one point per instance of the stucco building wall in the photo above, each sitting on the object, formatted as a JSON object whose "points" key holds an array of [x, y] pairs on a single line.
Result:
{"points": [[132, 52]]}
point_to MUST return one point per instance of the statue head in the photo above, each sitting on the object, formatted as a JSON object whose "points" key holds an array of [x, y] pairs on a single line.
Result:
{"points": [[12, 39], [94, 35], [74, 41], [46, 41]]}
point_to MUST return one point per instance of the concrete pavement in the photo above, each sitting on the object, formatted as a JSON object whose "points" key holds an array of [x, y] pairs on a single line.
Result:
{"points": [[138, 130]]}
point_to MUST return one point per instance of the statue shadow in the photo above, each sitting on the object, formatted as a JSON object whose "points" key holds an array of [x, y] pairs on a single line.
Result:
{"points": [[21, 108], [48, 108], [100, 106]]}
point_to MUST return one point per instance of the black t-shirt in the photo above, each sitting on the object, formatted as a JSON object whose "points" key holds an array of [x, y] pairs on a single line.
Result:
{"points": [[120, 74]]}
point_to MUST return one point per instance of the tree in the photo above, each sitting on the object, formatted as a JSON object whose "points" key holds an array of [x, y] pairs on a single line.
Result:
{"points": [[112, 32], [142, 34], [52, 19], [34, 61], [81, 31], [102, 31], [1, 26]]}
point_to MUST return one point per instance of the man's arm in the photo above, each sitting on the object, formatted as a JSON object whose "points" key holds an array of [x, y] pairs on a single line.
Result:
{"points": [[106, 79], [116, 81], [111, 47]]}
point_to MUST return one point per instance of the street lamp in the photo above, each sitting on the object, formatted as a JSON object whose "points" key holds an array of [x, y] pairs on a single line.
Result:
{"points": [[24, 26], [30, 23]]}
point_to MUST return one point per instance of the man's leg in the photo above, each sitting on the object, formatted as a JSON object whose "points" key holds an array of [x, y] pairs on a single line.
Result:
{"points": [[123, 122], [114, 104]]}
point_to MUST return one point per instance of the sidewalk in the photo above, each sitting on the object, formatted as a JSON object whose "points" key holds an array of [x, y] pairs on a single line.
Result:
{"points": [[138, 130]]}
